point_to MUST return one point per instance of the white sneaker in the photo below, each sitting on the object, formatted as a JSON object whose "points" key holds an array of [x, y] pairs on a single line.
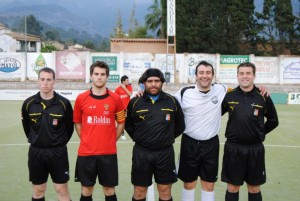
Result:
{"points": [[123, 137]]}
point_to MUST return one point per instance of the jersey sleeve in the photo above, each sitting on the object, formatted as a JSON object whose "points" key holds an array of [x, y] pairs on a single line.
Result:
{"points": [[69, 120], [25, 118], [271, 115], [77, 114], [120, 111]]}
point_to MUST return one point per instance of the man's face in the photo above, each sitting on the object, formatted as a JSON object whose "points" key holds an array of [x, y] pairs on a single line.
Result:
{"points": [[245, 77], [126, 82], [46, 82], [153, 86], [99, 77], [204, 77]]}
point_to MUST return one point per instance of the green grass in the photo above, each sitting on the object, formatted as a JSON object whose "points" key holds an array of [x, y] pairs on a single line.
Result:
{"points": [[282, 161]]}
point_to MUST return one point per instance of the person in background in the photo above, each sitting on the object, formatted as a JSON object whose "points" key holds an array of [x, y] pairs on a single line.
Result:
{"points": [[125, 91], [48, 126], [153, 122], [141, 84], [244, 153], [96, 112]]}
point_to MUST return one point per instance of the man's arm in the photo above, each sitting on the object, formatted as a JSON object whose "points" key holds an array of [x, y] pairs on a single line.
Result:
{"points": [[25, 120], [129, 122], [179, 122], [129, 93], [271, 115], [120, 129], [69, 120], [78, 129]]}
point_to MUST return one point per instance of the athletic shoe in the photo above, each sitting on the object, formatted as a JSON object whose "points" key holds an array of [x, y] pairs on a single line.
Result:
{"points": [[123, 137]]}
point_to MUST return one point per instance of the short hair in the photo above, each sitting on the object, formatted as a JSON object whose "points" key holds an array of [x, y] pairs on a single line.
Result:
{"points": [[47, 70], [152, 72], [205, 63], [100, 64], [123, 78], [247, 64]]}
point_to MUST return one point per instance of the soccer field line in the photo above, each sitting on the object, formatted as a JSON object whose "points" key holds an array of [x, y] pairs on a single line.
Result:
{"points": [[130, 142]]}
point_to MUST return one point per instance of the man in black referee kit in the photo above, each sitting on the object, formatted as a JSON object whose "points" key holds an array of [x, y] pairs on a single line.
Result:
{"points": [[244, 154], [47, 120], [153, 122]]}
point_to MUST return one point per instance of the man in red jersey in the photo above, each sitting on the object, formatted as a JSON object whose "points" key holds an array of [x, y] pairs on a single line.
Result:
{"points": [[125, 92], [95, 114]]}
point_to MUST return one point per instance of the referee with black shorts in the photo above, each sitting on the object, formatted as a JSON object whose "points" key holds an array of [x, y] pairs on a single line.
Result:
{"points": [[244, 153], [47, 120], [153, 122]]}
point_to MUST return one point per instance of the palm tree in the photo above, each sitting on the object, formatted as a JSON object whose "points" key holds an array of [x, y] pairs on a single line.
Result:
{"points": [[155, 19]]}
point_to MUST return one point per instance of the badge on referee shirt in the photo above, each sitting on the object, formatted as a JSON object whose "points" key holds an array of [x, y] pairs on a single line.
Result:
{"points": [[168, 117], [55, 122], [255, 112]]}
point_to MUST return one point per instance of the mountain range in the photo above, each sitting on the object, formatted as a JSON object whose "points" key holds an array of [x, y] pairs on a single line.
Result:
{"points": [[96, 17], [93, 16]]}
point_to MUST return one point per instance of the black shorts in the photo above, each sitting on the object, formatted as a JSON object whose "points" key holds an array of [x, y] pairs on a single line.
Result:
{"points": [[244, 163], [105, 167], [199, 158], [45, 161], [146, 163]]}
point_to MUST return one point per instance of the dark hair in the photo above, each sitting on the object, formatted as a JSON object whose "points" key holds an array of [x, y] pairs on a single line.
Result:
{"points": [[247, 64], [123, 78], [100, 64], [140, 80], [204, 63], [153, 72], [47, 70]]}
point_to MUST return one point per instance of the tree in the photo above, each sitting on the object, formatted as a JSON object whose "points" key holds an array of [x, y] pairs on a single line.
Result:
{"points": [[284, 19], [156, 20], [133, 23], [90, 45], [32, 25], [139, 32], [285, 23], [104, 46], [52, 35], [48, 48], [118, 30]]}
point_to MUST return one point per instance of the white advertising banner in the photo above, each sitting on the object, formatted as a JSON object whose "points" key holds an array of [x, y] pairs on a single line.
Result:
{"points": [[192, 60], [289, 70], [37, 61], [134, 65], [294, 98], [267, 71], [11, 94], [113, 60], [12, 66], [166, 65]]}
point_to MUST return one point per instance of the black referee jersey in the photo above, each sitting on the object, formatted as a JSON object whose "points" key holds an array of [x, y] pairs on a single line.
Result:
{"points": [[47, 123], [246, 116], [154, 125]]}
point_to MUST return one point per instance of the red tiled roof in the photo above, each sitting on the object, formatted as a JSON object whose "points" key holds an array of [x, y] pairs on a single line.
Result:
{"points": [[22, 36], [146, 40]]}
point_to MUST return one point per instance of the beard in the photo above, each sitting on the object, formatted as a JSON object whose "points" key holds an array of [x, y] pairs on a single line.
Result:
{"points": [[153, 91]]}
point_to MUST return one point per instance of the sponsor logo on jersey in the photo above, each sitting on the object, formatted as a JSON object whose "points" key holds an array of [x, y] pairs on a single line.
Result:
{"points": [[214, 100], [98, 120]]}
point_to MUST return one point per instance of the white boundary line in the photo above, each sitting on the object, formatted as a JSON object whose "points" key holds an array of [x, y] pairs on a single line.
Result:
{"points": [[130, 142]]}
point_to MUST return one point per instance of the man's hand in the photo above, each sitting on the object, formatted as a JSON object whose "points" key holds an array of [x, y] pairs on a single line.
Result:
{"points": [[264, 91], [140, 93]]}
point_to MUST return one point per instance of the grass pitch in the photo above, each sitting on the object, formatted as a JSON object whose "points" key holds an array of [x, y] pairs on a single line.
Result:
{"points": [[282, 161]]}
